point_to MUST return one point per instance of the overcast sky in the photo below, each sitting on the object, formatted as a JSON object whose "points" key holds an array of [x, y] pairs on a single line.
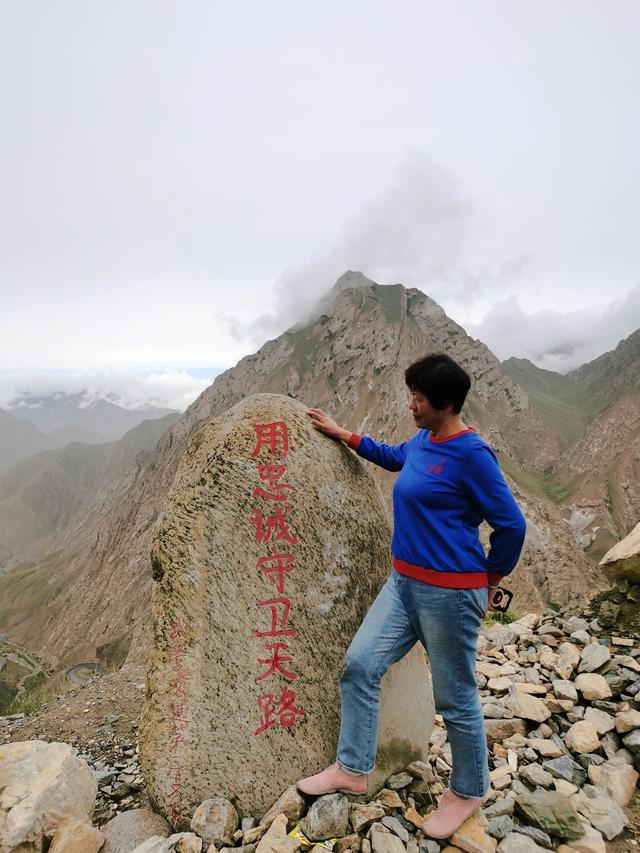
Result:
{"points": [[181, 181]]}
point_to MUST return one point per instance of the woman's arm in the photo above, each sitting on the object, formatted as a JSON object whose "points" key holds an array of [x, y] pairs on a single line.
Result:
{"points": [[488, 489], [391, 457]]}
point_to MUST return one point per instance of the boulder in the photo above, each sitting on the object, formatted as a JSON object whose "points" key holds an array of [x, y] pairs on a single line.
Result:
{"points": [[472, 836], [627, 721], [593, 657], [215, 820], [592, 686], [498, 730], [527, 707], [276, 839], [582, 737], [623, 560], [47, 794], [290, 803], [76, 836], [551, 812], [601, 811], [271, 546], [328, 817], [129, 829], [517, 843], [382, 842], [618, 780]]}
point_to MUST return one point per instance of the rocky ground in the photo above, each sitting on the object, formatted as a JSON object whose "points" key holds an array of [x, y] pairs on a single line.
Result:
{"points": [[561, 698]]}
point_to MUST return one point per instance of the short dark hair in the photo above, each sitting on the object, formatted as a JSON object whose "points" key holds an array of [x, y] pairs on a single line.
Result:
{"points": [[442, 381]]}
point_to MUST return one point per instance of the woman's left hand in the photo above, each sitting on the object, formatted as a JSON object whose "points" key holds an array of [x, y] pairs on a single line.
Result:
{"points": [[492, 595]]}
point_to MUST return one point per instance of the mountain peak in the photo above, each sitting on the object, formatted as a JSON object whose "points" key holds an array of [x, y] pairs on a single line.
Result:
{"points": [[353, 280]]}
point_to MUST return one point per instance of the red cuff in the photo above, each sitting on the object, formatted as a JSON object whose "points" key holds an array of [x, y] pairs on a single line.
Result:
{"points": [[354, 440], [494, 578]]}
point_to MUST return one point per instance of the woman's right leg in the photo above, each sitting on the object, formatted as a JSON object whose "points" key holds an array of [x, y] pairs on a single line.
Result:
{"points": [[385, 636]]}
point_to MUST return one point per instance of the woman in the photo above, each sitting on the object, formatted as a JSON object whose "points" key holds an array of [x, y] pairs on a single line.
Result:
{"points": [[438, 591]]}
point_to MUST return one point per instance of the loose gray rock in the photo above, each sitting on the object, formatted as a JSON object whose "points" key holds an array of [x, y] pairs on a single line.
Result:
{"points": [[593, 657], [499, 827], [215, 820], [567, 769], [129, 829], [498, 730], [602, 721], [527, 707], [244, 848], [328, 817], [383, 842], [428, 845], [551, 812], [396, 827], [632, 741], [517, 843], [538, 835], [534, 774], [499, 808], [564, 689], [361, 816], [592, 685], [290, 803], [601, 811], [399, 780]]}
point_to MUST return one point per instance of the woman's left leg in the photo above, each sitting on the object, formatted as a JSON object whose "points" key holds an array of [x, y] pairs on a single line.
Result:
{"points": [[447, 622]]}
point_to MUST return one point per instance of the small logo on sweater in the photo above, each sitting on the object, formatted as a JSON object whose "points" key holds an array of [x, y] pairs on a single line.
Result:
{"points": [[436, 469]]}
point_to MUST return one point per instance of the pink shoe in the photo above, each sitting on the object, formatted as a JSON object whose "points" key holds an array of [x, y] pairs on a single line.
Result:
{"points": [[334, 779], [451, 813]]}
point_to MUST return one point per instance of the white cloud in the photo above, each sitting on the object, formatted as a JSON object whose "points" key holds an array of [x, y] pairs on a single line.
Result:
{"points": [[414, 232], [173, 389], [555, 340]]}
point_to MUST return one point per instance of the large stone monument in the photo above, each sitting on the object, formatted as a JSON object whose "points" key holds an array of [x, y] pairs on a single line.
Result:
{"points": [[270, 548]]}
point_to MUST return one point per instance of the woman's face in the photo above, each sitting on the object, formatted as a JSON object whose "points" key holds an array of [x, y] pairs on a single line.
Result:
{"points": [[424, 414]]}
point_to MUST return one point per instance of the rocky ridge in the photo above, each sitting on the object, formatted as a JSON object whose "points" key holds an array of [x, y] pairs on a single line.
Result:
{"points": [[595, 411], [561, 698]]}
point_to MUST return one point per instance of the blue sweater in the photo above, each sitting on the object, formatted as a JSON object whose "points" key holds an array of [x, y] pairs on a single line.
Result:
{"points": [[445, 489]]}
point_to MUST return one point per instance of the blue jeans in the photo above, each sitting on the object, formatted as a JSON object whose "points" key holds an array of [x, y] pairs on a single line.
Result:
{"points": [[446, 622]]}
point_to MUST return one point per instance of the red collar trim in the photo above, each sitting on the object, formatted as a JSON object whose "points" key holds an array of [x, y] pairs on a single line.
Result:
{"points": [[449, 437]]}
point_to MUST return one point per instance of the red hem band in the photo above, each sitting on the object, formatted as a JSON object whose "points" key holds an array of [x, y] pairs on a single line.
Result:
{"points": [[449, 437], [495, 578], [354, 440], [452, 580]]}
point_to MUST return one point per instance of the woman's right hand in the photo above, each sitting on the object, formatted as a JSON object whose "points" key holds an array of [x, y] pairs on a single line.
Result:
{"points": [[323, 422]]}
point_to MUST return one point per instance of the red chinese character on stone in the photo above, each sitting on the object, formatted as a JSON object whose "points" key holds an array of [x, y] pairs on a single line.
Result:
{"points": [[276, 567], [278, 623], [179, 710], [177, 685], [177, 815], [276, 663], [274, 437], [270, 474], [274, 526], [177, 656], [174, 790], [177, 742], [176, 630], [284, 714]]}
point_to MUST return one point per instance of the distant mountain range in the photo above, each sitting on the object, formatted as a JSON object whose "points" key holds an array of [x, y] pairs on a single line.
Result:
{"points": [[35, 423], [596, 411], [569, 445]]}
